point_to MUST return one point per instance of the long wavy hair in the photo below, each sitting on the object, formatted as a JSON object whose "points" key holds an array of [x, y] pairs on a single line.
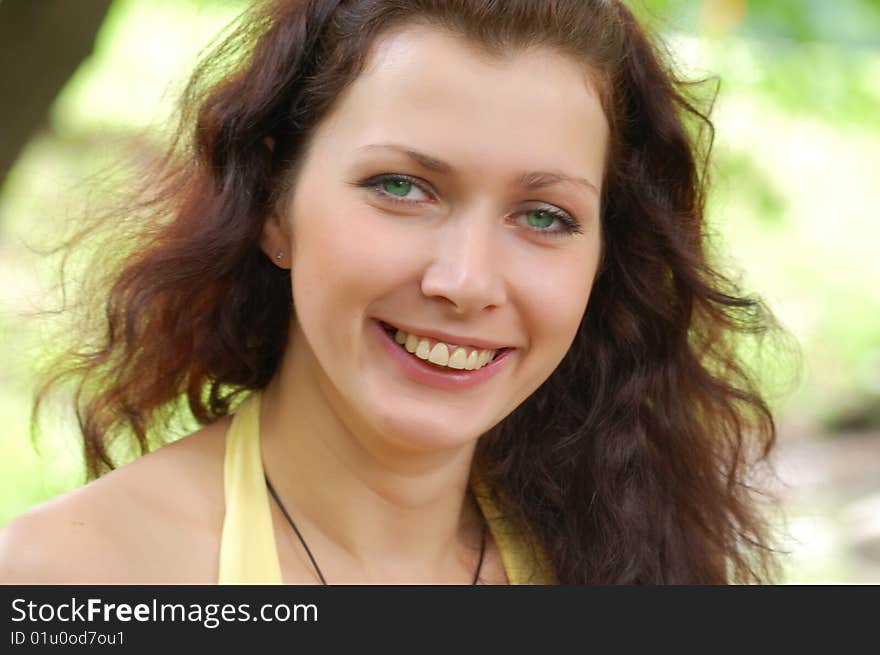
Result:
{"points": [[631, 463]]}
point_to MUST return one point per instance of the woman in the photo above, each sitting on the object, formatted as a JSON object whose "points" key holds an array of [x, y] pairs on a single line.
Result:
{"points": [[450, 254]]}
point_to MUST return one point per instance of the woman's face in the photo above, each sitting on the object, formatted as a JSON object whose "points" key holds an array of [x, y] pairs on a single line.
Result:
{"points": [[455, 197]]}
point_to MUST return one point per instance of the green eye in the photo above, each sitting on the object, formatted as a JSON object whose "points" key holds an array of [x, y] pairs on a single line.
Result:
{"points": [[540, 218], [397, 186]]}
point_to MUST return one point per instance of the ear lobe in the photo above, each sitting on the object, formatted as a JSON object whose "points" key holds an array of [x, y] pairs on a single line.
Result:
{"points": [[275, 239]]}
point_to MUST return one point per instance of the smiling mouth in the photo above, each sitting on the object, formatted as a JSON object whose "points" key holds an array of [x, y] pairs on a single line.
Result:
{"points": [[464, 359]]}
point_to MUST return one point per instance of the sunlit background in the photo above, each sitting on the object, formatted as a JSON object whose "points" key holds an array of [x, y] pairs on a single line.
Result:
{"points": [[796, 192]]}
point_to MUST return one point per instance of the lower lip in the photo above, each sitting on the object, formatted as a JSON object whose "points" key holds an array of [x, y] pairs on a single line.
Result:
{"points": [[420, 371]]}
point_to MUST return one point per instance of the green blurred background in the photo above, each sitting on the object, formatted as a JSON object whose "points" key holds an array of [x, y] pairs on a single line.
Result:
{"points": [[794, 205]]}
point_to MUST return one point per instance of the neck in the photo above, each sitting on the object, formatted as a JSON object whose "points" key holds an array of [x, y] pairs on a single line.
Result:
{"points": [[368, 510]]}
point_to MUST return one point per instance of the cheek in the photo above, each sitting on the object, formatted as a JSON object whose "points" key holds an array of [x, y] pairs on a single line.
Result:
{"points": [[561, 316], [345, 251], [556, 310], [558, 300]]}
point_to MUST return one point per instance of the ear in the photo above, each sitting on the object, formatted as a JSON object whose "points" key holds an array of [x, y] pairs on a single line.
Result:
{"points": [[275, 241]]}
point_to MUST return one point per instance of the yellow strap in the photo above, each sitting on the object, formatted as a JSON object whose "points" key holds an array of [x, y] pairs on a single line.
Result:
{"points": [[523, 564], [248, 554]]}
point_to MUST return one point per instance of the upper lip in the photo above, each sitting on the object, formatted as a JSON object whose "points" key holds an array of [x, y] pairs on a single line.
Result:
{"points": [[448, 337]]}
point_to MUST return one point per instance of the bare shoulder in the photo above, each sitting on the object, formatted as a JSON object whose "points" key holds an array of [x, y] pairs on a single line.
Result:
{"points": [[155, 520]]}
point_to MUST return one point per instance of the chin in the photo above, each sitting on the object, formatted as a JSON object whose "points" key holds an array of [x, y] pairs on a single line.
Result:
{"points": [[419, 435]]}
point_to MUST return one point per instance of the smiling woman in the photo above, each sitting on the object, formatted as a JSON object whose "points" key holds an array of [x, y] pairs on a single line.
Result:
{"points": [[432, 277]]}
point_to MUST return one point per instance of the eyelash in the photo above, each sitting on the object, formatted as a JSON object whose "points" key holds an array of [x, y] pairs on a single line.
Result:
{"points": [[570, 225]]}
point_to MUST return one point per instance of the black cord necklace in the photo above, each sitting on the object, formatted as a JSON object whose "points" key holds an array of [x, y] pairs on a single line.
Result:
{"points": [[312, 558]]}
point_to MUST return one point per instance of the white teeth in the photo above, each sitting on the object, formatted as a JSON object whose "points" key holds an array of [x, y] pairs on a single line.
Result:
{"points": [[438, 354], [424, 349], [458, 359]]}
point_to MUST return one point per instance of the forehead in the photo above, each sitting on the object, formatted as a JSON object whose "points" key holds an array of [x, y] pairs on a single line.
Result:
{"points": [[432, 90]]}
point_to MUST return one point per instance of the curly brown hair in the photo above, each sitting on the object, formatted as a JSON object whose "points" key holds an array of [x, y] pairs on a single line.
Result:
{"points": [[630, 463]]}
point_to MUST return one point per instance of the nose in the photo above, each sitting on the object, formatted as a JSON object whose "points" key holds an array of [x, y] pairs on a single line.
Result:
{"points": [[465, 269]]}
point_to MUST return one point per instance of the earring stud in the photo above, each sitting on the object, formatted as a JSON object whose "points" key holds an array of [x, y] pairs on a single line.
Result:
{"points": [[279, 255]]}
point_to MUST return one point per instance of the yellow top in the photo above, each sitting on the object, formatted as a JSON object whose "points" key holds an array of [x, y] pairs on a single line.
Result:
{"points": [[248, 554]]}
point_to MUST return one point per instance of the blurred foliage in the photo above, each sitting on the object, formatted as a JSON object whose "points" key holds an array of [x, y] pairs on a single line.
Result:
{"points": [[848, 23], [796, 184]]}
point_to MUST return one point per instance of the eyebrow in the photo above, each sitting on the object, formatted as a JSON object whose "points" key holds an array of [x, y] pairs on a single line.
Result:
{"points": [[528, 180]]}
